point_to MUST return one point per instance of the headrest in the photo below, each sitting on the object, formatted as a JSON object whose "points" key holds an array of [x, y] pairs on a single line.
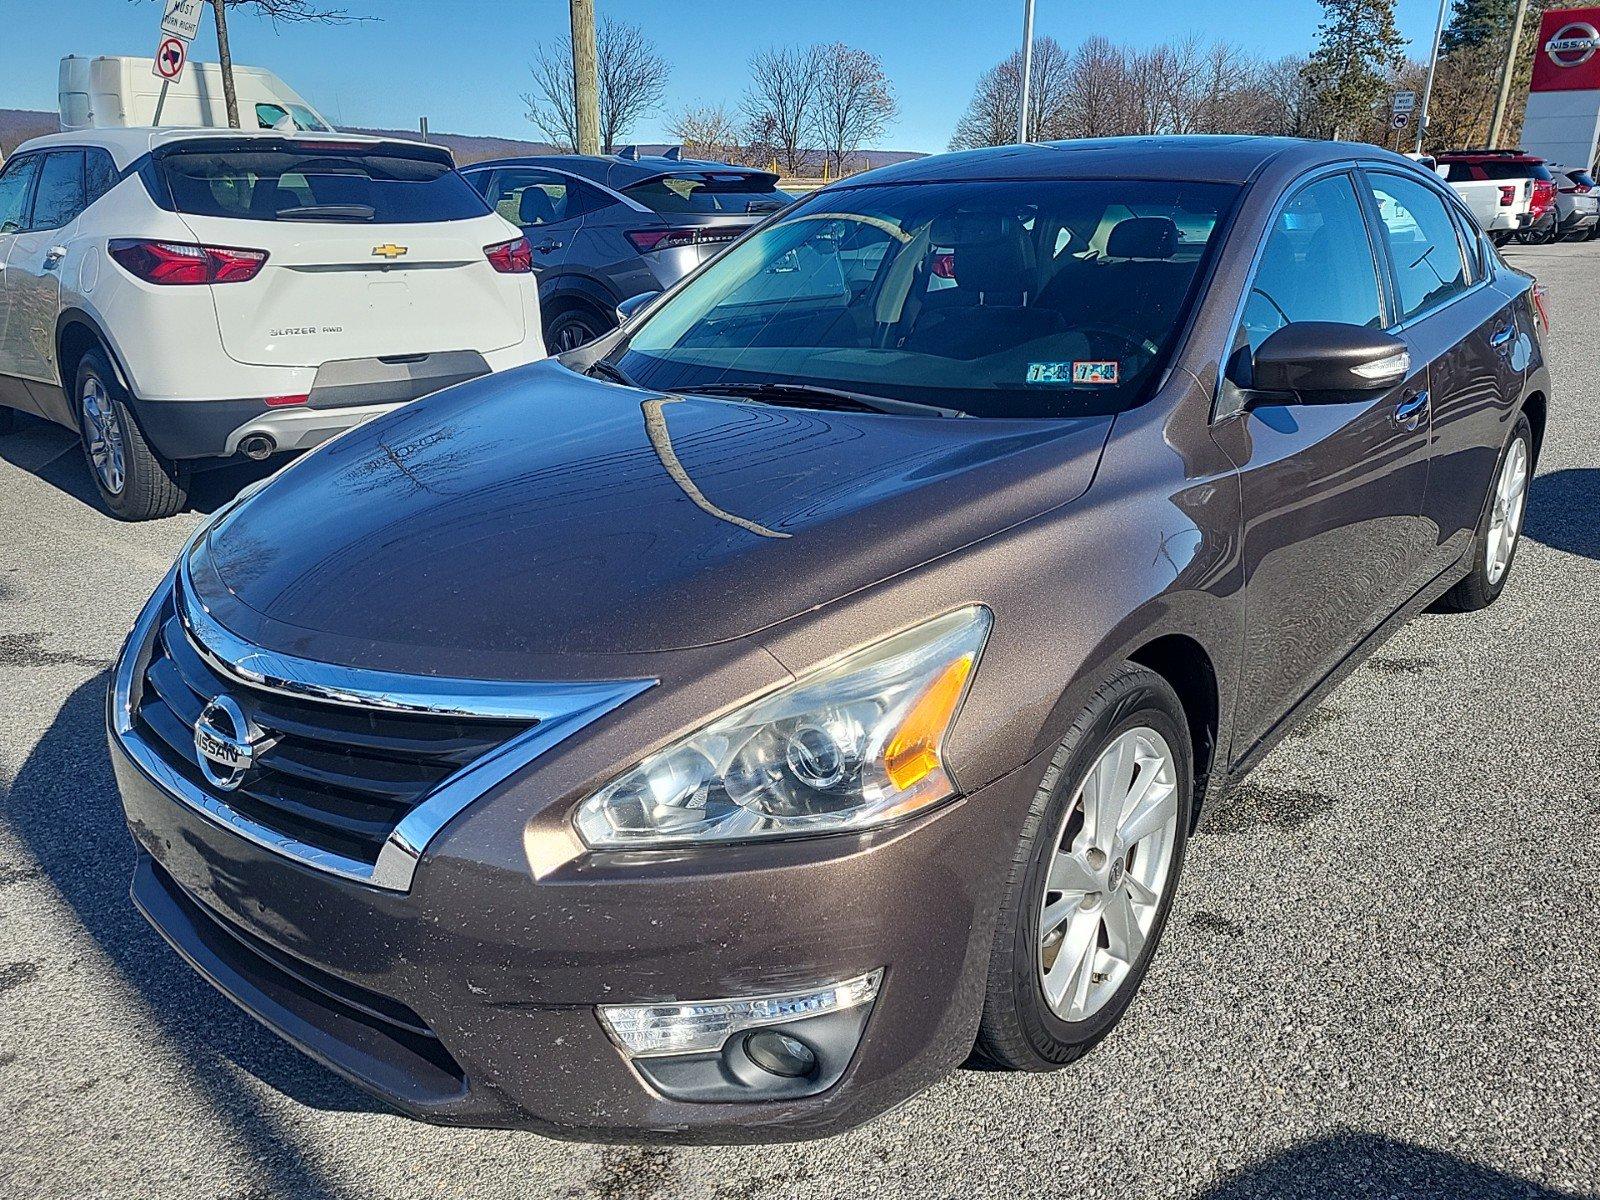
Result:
{"points": [[1142, 237], [535, 207], [960, 229], [992, 251]]}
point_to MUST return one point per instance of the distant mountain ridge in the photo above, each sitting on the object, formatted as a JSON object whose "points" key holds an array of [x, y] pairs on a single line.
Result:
{"points": [[17, 125]]}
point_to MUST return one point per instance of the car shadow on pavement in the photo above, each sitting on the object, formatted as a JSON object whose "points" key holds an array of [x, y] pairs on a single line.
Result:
{"points": [[1366, 1166], [63, 806], [50, 453], [1564, 511]]}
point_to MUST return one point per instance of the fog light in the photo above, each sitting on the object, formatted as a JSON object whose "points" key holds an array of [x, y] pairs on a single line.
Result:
{"points": [[780, 1054], [650, 1030]]}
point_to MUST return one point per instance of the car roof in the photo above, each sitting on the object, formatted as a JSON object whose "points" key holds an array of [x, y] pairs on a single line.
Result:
{"points": [[616, 172], [129, 144], [1219, 158]]}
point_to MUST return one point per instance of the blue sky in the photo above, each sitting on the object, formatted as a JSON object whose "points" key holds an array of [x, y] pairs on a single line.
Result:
{"points": [[463, 62]]}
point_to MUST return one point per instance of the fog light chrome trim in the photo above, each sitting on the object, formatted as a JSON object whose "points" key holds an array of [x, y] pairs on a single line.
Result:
{"points": [[698, 1026]]}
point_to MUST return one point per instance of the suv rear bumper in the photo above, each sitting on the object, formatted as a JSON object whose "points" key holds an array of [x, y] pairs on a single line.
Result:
{"points": [[342, 394]]}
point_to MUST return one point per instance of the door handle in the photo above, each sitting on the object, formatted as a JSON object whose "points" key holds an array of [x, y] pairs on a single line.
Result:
{"points": [[1501, 338], [548, 247], [53, 257], [1412, 411]]}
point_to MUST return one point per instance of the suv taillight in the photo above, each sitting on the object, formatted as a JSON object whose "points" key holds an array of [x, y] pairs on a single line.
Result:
{"points": [[182, 263], [1577, 189], [1544, 195], [510, 258], [646, 240], [1508, 195]]}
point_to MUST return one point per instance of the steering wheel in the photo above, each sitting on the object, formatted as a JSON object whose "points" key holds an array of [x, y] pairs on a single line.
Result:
{"points": [[1130, 338]]}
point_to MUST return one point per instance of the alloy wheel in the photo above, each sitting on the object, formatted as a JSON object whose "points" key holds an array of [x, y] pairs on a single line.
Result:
{"points": [[1505, 519], [102, 434], [1110, 870], [571, 334]]}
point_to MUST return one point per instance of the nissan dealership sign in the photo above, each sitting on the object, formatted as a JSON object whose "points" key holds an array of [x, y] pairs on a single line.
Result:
{"points": [[1563, 118], [1568, 58], [1573, 45]]}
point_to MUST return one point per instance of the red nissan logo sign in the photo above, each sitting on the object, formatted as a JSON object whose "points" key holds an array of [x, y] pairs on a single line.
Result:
{"points": [[1573, 45]]}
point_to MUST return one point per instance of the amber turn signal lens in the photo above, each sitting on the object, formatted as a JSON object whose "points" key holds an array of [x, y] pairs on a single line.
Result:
{"points": [[913, 753]]}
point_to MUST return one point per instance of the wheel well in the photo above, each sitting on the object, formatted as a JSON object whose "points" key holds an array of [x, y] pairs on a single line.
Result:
{"points": [[1184, 663], [1535, 408], [74, 340], [564, 302]]}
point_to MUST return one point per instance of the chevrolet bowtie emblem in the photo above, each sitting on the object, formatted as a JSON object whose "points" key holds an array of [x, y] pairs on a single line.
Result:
{"points": [[390, 250]]}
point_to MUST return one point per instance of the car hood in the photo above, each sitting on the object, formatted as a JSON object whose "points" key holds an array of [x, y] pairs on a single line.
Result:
{"points": [[539, 513]]}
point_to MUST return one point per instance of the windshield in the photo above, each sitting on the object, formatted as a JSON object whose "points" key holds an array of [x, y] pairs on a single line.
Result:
{"points": [[710, 192], [999, 299], [331, 183]]}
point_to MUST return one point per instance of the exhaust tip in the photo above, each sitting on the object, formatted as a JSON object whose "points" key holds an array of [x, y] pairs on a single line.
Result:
{"points": [[257, 446]]}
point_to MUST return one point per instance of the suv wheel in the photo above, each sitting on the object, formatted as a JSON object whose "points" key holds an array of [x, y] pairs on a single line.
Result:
{"points": [[574, 327], [1093, 878], [1500, 528], [135, 482]]}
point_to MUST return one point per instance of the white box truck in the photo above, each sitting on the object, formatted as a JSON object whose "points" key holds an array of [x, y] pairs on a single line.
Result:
{"points": [[111, 91]]}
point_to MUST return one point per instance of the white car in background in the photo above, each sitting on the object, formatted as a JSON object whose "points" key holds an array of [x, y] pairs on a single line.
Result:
{"points": [[176, 295]]}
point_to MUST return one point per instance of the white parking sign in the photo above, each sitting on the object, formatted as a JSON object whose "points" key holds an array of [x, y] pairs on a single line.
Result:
{"points": [[182, 19]]}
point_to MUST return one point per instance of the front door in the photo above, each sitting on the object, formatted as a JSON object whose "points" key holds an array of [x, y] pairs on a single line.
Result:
{"points": [[16, 194], [1333, 537]]}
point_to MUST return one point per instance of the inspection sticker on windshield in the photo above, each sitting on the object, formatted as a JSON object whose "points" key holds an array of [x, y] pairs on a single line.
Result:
{"points": [[1091, 371]]}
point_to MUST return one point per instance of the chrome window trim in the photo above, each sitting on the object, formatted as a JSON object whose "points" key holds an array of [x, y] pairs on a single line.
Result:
{"points": [[561, 709]]}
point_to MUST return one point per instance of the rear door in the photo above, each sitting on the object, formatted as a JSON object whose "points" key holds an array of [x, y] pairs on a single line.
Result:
{"points": [[33, 266], [372, 250], [1332, 493], [16, 197], [1467, 333]]}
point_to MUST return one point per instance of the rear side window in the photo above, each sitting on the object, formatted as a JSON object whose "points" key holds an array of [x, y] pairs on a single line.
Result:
{"points": [[528, 197], [59, 198], [709, 192], [380, 186], [100, 175], [1317, 264], [1422, 243], [16, 183]]}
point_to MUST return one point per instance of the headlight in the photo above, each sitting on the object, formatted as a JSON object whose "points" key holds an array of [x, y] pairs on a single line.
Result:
{"points": [[849, 745]]}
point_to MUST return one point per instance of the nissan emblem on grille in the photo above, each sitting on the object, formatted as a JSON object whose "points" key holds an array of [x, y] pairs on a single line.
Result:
{"points": [[223, 743]]}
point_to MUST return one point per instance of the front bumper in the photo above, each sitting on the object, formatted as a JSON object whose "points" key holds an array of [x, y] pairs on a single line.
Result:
{"points": [[472, 998]]}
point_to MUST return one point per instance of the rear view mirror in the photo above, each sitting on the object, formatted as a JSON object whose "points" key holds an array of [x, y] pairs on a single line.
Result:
{"points": [[626, 308], [1321, 359]]}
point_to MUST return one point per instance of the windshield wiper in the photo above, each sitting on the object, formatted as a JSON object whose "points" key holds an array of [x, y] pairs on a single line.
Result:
{"points": [[807, 395], [610, 371], [326, 212]]}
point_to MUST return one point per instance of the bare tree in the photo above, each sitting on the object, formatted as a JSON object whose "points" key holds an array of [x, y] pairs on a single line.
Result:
{"points": [[708, 131], [781, 102], [633, 78], [991, 116], [854, 103]]}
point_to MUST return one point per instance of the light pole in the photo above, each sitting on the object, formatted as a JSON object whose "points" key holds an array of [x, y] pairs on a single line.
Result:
{"points": [[1507, 69], [585, 86], [1027, 69], [1433, 65]]}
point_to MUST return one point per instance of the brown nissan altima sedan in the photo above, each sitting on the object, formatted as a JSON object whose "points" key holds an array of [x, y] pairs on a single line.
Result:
{"points": [[723, 730]]}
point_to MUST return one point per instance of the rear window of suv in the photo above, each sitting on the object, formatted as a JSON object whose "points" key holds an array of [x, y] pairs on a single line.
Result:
{"points": [[381, 185], [710, 192], [1514, 170]]}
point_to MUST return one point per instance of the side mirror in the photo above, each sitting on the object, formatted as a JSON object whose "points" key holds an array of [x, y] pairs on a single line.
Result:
{"points": [[633, 304], [1327, 361]]}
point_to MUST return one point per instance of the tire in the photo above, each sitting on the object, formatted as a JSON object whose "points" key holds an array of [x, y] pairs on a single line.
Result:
{"points": [[572, 327], [1484, 583], [135, 483], [1021, 1029]]}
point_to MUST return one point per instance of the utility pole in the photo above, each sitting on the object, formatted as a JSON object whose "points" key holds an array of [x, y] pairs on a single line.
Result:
{"points": [[225, 59], [1027, 69], [1507, 70], [1433, 66], [585, 73]]}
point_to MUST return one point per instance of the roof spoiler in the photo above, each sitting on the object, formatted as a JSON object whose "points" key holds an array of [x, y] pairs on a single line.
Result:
{"points": [[312, 144]]}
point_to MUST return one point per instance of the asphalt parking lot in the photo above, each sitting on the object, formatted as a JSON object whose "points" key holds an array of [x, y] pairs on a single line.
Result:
{"points": [[1381, 978]]}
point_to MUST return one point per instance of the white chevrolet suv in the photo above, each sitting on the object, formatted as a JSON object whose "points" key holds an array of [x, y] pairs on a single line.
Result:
{"points": [[181, 294]]}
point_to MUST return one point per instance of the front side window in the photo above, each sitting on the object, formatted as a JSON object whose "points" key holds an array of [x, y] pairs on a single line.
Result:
{"points": [[327, 183], [997, 299], [1428, 266], [16, 182], [60, 197], [1317, 264]]}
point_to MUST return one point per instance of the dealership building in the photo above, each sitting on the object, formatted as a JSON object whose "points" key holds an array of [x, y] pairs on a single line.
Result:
{"points": [[1563, 118]]}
